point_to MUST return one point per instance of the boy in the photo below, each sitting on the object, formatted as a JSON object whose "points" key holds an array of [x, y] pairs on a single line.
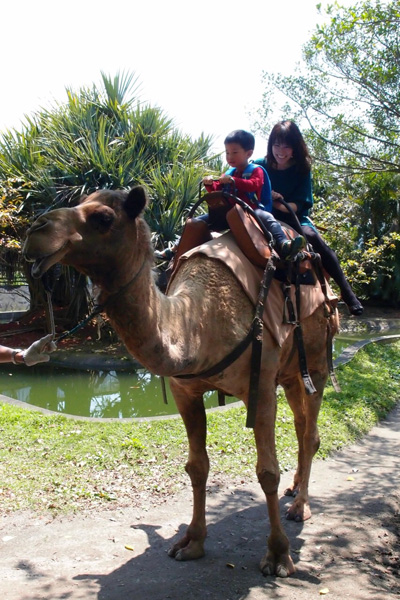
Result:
{"points": [[251, 185]]}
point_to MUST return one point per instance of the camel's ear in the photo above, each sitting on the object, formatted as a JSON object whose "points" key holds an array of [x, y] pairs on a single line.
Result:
{"points": [[136, 201]]}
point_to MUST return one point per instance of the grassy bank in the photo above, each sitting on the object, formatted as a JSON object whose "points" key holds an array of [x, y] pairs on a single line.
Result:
{"points": [[51, 463]]}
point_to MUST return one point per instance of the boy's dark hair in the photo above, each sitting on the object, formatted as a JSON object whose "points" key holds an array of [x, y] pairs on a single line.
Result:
{"points": [[245, 139]]}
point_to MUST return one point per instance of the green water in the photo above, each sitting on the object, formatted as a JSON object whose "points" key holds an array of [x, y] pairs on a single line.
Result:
{"points": [[105, 394], [108, 394]]}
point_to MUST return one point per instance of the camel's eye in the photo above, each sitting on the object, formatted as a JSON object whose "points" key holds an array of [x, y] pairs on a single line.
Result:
{"points": [[101, 220]]}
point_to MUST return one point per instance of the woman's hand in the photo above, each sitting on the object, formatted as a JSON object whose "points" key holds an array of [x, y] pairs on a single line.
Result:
{"points": [[279, 206]]}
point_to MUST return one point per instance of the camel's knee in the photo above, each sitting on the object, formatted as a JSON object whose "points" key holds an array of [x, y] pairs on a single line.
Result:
{"points": [[198, 472], [312, 441], [269, 481]]}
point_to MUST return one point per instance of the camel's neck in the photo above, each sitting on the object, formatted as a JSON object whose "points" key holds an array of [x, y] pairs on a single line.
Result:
{"points": [[150, 324]]}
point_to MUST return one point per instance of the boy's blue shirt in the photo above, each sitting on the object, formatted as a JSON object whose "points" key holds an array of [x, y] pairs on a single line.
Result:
{"points": [[265, 201]]}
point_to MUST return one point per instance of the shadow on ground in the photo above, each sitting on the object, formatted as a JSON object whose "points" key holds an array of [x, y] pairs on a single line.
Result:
{"points": [[350, 546]]}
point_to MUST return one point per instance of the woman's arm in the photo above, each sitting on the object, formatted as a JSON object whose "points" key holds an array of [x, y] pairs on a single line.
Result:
{"points": [[277, 204]]}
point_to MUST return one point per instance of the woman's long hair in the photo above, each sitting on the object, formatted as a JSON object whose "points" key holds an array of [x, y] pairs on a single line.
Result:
{"points": [[287, 132]]}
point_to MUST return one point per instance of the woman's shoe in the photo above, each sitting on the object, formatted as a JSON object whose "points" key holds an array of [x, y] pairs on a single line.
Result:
{"points": [[166, 254], [356, 309]]}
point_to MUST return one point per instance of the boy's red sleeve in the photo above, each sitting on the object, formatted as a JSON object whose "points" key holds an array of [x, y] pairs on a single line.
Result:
{"points": [[253, 184], [214, 187]]}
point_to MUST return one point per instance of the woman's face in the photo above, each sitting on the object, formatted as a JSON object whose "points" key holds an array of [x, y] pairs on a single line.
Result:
{"points": [[283, 154]]}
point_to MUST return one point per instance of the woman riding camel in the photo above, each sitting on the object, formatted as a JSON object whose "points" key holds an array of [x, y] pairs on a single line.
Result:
{"points": [[288, 164]]}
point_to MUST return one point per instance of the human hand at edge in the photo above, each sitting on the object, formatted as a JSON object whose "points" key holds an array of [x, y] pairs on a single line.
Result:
{"points": [[39, 351]]}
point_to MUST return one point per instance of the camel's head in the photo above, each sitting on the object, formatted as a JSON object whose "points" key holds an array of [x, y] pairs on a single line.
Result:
{"points": [[94, 233]]}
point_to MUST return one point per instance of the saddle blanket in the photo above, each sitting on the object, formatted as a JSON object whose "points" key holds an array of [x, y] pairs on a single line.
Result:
{"points": [[249, 276]]}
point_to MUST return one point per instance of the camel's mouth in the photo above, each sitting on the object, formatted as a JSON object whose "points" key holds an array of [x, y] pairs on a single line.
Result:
{"points": [[43, 264]]}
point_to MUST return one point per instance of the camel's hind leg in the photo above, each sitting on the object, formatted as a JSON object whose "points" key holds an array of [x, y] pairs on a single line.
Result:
{"points": [[305, 409], [191, 408], [277, 560]]}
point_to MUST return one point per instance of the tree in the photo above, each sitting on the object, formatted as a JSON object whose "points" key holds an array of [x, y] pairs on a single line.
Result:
{"points": [[348, 88], [100, 137], [346, 97]]}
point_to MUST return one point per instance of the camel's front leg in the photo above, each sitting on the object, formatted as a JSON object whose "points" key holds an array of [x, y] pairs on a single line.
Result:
{"points": [[277, 560], [191, 408], [305, 409]]}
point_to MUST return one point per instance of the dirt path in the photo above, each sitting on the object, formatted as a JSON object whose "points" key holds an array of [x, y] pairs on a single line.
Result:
{"points": [[351, 545]]}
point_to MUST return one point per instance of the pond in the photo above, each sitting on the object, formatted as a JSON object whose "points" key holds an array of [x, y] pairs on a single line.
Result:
{"points": [[88, 393], [110, 394]]}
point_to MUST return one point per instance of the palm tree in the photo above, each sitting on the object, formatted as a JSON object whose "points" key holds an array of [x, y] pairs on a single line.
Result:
{"points": [[102, 137]]}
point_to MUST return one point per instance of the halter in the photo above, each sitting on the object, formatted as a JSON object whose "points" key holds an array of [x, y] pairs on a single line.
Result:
{"points": [[97, 309]]}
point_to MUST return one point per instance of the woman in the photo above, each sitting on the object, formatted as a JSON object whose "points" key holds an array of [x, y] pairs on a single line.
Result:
{"points": [[288, 164]]}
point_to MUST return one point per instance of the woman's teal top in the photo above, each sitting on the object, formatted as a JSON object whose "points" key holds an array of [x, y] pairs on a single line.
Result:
{"points": [[295, 187]]}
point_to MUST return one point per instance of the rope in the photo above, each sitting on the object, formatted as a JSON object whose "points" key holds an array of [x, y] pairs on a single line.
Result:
{"points": [[51, 313]]}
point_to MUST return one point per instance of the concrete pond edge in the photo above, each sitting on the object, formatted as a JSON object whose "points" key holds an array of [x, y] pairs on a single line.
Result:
{"points": [[346, 356]]}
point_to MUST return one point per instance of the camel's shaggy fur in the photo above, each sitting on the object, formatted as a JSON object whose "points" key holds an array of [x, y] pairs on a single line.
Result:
{"points": [[204, 316]]}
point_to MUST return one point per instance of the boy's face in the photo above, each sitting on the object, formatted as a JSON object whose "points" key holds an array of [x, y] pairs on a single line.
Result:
{"points": [[236, 156]]}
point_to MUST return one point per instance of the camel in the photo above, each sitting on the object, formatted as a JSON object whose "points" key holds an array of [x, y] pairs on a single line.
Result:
{"points": [[202, 318]]}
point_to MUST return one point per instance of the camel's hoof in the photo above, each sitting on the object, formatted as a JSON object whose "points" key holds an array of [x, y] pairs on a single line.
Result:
{"points": [[279, 569], [190, 552], [269, 570], [298, 513]]}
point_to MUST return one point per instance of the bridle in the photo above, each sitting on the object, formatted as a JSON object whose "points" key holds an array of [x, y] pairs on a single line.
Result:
{"points": [[99, 308]]}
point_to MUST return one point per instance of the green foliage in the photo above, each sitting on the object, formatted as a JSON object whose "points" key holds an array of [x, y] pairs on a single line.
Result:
{"points": [[359, 219], [50, 463], [348, 88], [100, 137], [12, 227], [103, 137], [345, 96]]}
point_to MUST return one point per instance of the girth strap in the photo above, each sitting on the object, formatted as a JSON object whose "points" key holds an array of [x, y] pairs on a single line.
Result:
{"points": [[317, 264], [255, 364], [290, 317], [225, 362], [255, 335]]}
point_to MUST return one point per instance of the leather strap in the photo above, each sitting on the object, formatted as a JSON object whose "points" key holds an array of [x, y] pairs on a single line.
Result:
{"points": [[256, 352], [225, 362], [290, 318], [255, 335]]}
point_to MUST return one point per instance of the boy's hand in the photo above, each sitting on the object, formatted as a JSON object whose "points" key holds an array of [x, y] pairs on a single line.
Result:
{"points": [[226, 179], [208, 180], [276, 196]]}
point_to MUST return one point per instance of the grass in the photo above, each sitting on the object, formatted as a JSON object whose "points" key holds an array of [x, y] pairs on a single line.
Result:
{"points": [[51, 463]]}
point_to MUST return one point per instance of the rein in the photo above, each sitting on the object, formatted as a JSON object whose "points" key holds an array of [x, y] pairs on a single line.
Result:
{"points": [[97, 309]]}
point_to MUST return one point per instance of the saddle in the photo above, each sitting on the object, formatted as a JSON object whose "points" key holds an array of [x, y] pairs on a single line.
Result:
{"points": [[247, 232], [256, 248]]}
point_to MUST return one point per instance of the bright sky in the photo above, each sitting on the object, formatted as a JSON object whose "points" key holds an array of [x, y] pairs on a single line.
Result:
{"points": [[199, 61]]}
